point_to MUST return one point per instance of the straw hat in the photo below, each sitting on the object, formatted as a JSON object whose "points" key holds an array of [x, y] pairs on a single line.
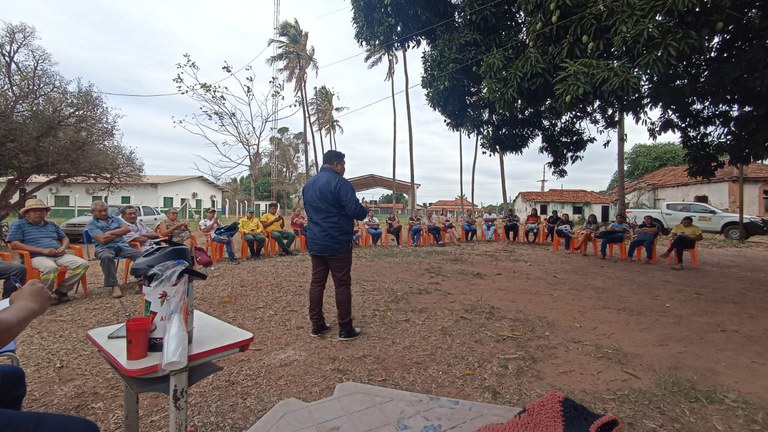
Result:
{"points": [[34, 203]]}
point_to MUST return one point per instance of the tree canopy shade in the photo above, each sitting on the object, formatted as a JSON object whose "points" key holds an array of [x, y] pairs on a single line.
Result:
{"points": [[52, 126]]}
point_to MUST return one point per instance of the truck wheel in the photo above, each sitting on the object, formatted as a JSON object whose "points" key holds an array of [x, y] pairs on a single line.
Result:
{"points": [[732, 232]]}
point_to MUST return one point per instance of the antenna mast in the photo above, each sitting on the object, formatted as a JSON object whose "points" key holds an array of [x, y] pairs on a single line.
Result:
{"points": [[543, 177]]}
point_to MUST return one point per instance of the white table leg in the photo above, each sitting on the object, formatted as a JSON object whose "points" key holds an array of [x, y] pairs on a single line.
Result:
{"points": [[178, 400], [130, 409]]}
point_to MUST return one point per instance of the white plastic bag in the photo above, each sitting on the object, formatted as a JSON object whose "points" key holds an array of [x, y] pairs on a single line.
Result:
{"points": [[175, 343]]}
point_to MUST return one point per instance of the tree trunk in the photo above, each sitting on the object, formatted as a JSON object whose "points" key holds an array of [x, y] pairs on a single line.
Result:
{"points": [[742, 232], [322, 146], [474, 165], [461, 174], [621, 140], [394, 142], [304, 138], [412, 198], [503, 182], [308, 118]]}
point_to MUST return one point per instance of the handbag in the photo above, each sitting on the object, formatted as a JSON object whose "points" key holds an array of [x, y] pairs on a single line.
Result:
{"points": [[202, 258]]}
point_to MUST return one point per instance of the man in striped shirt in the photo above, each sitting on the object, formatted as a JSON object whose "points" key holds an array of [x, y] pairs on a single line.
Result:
{"points": [[47, 245]]}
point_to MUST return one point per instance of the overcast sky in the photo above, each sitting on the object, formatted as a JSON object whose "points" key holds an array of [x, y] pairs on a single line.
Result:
{"points": [[133, 46]]}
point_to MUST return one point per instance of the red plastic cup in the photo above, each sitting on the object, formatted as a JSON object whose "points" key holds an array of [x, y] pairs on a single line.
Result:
{"points": [[137, 337]]}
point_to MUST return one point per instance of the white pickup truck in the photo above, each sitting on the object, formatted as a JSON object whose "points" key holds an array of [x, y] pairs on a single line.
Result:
{"points": [[708, 218]]}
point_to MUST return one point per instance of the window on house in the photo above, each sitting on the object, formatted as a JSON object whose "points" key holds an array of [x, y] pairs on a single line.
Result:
{"points": [[167, 202], [61, 200], [578, 210], [765, 200], [199, 204], [125, 200], [95, 198], [701, 199], [544, 209], [213, 204]]}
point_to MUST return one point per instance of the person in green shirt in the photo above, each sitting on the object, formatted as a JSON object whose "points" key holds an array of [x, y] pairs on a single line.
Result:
{"points": [[684, 236]]}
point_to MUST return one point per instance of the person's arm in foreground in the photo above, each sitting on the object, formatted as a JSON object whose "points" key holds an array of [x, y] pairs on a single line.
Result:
{"points": [[27, 303]]}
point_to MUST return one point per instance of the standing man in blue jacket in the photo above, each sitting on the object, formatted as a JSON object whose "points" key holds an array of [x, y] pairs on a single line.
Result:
{"points": [[332, 207]]}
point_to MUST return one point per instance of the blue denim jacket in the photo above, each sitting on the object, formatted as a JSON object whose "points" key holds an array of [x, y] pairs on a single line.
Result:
{"points": [[332, 209]]}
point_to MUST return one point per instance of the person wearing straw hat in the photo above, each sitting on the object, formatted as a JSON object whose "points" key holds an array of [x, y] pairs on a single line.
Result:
{"points": [[47, 245]]}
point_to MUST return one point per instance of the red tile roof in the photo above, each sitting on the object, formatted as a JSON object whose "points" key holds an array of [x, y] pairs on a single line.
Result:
{"points": [[566, 196], [452, 204], [678, 176]]}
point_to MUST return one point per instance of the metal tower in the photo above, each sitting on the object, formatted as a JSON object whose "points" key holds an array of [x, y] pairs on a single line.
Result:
{"points": [[275, 91]]}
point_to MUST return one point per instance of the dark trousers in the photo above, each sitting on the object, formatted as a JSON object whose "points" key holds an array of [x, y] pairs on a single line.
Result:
{"points": [[647, 243], [513, 228], [256, 239], [395, 232], [567, 236], [8, 269], [679, 244], [436, 232], [13, 389], [550, 233], [615, 237], [108, 264], [340, 267]]}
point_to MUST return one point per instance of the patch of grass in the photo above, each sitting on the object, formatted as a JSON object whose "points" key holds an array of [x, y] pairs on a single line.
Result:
{"points": [[716, 241]]}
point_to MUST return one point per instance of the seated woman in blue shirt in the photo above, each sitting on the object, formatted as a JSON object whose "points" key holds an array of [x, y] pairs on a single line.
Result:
{"points": [[645, 235], [614, 234]]}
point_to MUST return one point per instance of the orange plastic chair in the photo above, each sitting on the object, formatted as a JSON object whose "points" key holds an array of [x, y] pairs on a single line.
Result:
{"points": [[694, 254], [33, 273], [640, 252], [556, 244], [622, 249], [300, 243], [595, 246], [215, 250]]}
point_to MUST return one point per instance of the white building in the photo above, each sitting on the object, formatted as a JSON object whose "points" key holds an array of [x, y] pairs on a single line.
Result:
{"points": [[191, 194], [722, 191], [578, 203]]}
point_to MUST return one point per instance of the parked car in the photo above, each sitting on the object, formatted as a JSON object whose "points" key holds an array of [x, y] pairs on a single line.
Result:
{"points": [[74, 227], [708, 218]]}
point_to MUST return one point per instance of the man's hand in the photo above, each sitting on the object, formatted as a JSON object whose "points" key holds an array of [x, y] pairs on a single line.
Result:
{"points": [[32, 295], [61, 251]]}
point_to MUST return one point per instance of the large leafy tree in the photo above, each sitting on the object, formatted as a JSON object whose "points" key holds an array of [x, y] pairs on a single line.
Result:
{"points": [[296, 58], [52, 126], [645, 158], [400, 25]]}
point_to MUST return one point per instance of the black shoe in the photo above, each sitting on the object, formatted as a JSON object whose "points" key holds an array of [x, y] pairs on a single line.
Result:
{"points": [[255, 257], [318, 330], [287, 252], [353, 333], [234, 261]]}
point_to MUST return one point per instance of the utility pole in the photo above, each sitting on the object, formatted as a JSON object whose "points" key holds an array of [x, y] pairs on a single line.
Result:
{"points": [[543, 177], [276, 89]]}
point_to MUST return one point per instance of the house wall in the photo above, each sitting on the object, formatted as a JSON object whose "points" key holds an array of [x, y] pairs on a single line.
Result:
{"points": [[68, 200], [523, 207]]}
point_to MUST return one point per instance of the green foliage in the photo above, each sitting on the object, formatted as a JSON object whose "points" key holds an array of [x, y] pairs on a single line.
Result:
{"points": [[645, 158], [400, 198], [52, 126]]}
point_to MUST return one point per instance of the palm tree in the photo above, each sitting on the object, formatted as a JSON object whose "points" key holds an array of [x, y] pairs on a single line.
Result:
{"points": [[374, 57], [324, 111], [296, 59], [410, 128]]}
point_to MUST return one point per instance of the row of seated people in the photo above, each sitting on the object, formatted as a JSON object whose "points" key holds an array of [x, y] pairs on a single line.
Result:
{"points": [[682, 237]]}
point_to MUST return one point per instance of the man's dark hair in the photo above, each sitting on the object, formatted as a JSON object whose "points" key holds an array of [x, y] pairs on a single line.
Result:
{"points": [[272, 205], [688, 218], [125, 209], [332, 156]]}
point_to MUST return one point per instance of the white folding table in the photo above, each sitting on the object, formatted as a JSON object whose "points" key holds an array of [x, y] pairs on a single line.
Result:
{"points": [[212, 339]]}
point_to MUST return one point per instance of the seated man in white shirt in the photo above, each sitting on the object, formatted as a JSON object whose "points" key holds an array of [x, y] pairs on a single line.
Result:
{"points": [[140, 232]]}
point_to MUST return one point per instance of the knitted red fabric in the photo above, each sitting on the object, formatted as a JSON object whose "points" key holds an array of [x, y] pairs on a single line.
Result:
{"points": [[556, 413]]}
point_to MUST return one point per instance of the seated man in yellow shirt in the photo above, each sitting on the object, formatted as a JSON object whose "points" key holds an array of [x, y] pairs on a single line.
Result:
{"points": [[253, 230], [274, 224], [684, 236]]}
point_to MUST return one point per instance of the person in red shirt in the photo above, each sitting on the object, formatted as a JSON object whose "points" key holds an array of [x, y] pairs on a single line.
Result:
{"points": [[298, 222]]}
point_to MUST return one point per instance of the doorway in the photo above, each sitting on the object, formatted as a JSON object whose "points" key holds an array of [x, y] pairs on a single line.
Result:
{"points": [[543, 209], [605, 214]]}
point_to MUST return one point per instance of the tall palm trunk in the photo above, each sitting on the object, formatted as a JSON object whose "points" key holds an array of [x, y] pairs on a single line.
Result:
{"points": [[333, 137], [308, 119], [410, 131], [503, 182], [622, 204], [461, 174], [304, 139], [319, 126], [394, 142], [474, 165]]}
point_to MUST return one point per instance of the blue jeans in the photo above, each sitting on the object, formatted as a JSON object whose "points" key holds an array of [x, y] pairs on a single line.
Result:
{"points": [[13, 389], [415, 234], [227, 242], [647, 242], [470, 231], [8, 269], [617, 237], [567, 236], [488, 231], [436, 232], [375, 234]]}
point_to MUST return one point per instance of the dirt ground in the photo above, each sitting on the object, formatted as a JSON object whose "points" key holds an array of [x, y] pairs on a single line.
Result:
{"points": [[498, 323]]}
